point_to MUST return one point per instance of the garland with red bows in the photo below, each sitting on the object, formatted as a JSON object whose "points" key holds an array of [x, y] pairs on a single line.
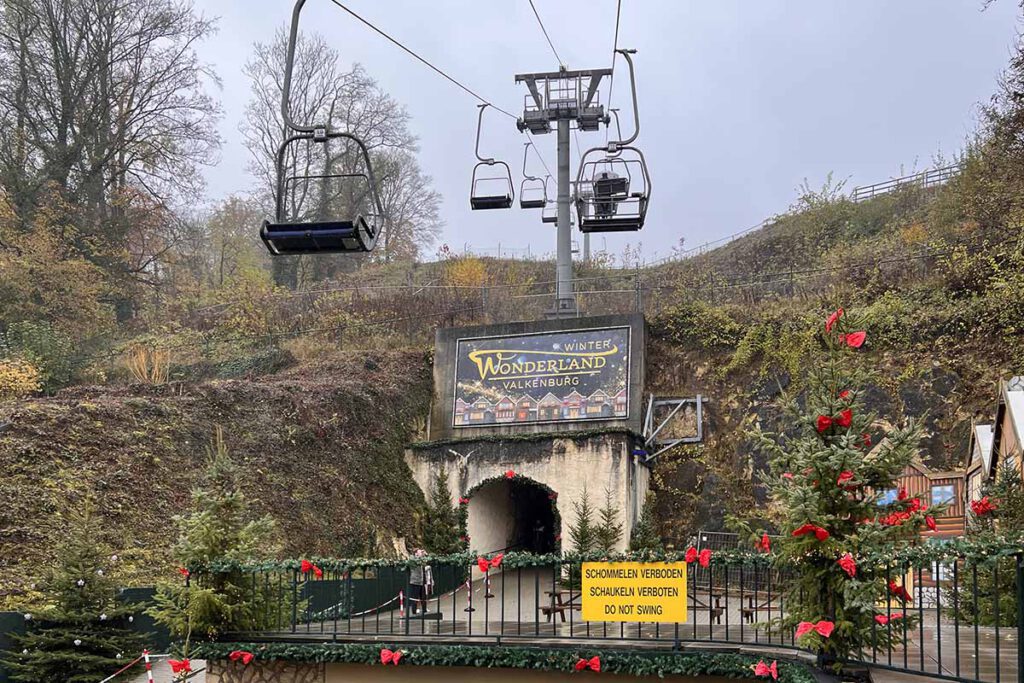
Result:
{"points": [[594, 661]]}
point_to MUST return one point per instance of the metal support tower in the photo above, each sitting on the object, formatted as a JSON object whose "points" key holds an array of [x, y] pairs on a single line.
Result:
{"points": [[562, 97]]}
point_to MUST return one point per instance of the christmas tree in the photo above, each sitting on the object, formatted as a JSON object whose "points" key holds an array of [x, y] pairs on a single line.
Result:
{"points": [[645, 534], [998, 514], [828, 487], [83, 635], [609, 528], [441, 527], [582, 531], [221, 527]]}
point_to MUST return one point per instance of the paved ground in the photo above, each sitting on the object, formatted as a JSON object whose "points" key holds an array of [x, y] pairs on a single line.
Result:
{"points": [[162, 673]]}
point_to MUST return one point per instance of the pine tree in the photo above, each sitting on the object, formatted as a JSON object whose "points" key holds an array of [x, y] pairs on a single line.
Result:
{"points": [[84, 635], [219, 528], [609, 528], [645, 534], [582, 532], [827, 485], [979, 603], [441, 528]]}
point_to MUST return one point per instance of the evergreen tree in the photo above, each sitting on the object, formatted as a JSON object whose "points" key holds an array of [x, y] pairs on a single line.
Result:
{"points": [[83, 636], [645, 534], [828, 490], [582, 532], [441, 528], [219, 528], [609, 528], [1006, 498]]}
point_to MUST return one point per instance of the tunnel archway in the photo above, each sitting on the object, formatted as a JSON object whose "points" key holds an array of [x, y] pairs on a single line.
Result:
{"points": [[513, 513]]}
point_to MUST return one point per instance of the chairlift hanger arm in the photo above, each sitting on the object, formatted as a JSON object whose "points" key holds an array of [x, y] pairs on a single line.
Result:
{"points": [[479, 125], [636, 107], [526, 151]]}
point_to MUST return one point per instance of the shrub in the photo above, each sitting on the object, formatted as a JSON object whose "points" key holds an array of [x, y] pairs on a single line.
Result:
{"points": [[49, 350], [18, 378]]}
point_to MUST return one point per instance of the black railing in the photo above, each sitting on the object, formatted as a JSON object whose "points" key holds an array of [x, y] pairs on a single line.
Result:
{"points": [[961, 621]]}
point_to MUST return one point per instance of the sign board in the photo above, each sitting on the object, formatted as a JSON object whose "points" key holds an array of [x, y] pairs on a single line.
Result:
{"points": [[634, 591], [563, 376]]}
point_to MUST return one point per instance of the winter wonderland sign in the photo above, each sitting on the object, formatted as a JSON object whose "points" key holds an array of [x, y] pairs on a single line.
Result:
{"points": [[545, 377]]}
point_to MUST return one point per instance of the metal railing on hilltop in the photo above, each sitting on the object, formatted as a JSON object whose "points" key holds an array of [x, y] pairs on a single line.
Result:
{"points": [[925, 179], [960, 619]]}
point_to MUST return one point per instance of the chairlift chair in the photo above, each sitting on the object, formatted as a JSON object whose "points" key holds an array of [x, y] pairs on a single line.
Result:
{"points": [[533, 192], [359, 226], [489, 192], [613, 191]]}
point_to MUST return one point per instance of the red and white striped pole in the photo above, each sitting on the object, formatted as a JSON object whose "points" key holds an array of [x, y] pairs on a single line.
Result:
{"points": [[401, 604], [469, 595], [149, 666]]}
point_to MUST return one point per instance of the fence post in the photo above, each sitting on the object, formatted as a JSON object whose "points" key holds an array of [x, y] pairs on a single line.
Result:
{"points": [[1020, 614]]}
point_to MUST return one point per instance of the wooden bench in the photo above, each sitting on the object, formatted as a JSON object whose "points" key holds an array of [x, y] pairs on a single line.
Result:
{"points": [[558, 604], [752, 609], [715, 610]]}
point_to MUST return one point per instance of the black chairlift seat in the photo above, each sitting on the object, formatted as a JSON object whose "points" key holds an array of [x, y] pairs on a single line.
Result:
{"points": [[478, 202], [531, 203], [629, 221], [549, 215], [319, 237]]}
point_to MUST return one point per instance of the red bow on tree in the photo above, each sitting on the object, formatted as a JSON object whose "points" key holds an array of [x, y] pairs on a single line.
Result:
{"points": [[824, 628], [184, 572], [691, 555], [899, 591], [833, 319], [594, 664], [854, 340], [483, 564], [844, 478], [183, 666], [845, 418], [463, 501], [308, 567], [848, 564], [824, 422], [704, 558], [510, 474], [765, 544], [902, 494], [883, 620], [819, 533], [496, 560], [982, 507], [930, 522], [389, 657], [762, 669], [787, 475], [844, 394], [246, 657]]}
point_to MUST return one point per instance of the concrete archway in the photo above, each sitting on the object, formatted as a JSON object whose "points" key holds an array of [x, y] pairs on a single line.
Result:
{"points": [[515, 513]]}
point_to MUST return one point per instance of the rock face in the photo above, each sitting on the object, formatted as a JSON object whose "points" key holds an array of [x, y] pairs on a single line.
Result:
{"points": [[321, 447]]}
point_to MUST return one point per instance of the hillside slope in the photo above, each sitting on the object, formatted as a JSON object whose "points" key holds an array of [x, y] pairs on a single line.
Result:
{"points": [[321, 446]]}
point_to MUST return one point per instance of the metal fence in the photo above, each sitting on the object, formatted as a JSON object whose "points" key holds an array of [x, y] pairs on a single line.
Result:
{"points": [[960, 621], [925, 179]]}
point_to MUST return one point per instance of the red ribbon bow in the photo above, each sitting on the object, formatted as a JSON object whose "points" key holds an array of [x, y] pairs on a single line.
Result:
{"points": [[389, 657], [483, 564], [765, 544], [463, 501], [308, 567], [246, 657], [884, 620], [844, 478], [594, 664], [848, 564], [899, 591], [184, 572], [854, 340], [496, 560], [762, 669], [510, 474], [833, 319], [819, 533], [704, 558], [691, 555], [930, 522], [180, 666], [982, 507], [824, 628]]}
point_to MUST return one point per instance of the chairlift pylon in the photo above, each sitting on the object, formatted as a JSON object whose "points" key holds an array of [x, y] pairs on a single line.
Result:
{"points": [[490, 192], [533, 192], [613, 191], [354, 227]]}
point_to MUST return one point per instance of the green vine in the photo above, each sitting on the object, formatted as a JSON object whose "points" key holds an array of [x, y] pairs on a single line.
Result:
{"points": [[544, 659], [540, 436]]}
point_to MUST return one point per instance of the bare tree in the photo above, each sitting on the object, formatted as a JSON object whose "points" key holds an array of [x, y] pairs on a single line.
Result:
{"points": [[325, 93]]}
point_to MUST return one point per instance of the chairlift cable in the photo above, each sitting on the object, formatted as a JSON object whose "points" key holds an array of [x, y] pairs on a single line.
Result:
{"points": [[422, 60], [545, 31], [615, 49]]}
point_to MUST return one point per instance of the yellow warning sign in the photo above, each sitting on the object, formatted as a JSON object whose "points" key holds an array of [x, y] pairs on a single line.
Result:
{"points": [[634, 591]]}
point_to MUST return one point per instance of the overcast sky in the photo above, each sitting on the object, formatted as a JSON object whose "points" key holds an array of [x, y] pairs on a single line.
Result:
{"points": [[739, 100]]}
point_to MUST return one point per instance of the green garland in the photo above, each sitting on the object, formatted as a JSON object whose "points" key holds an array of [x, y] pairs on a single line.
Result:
{"points": [[613, 661], [539, 436], [973, 550], [511, 560]]}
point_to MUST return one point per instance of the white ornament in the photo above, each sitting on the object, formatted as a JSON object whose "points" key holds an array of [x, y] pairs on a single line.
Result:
{"points": [[113, 558], [78, 641], [131, 619], [28, 617], [81, 582], [25, 651], [117, 656], [103, 617], [99, 572]]}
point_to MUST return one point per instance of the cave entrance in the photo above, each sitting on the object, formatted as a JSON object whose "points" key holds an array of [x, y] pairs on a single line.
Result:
{"points": [[514, 514]]}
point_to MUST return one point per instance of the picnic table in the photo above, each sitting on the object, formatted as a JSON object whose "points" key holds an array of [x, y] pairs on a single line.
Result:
{"points": [[559, 604]]}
